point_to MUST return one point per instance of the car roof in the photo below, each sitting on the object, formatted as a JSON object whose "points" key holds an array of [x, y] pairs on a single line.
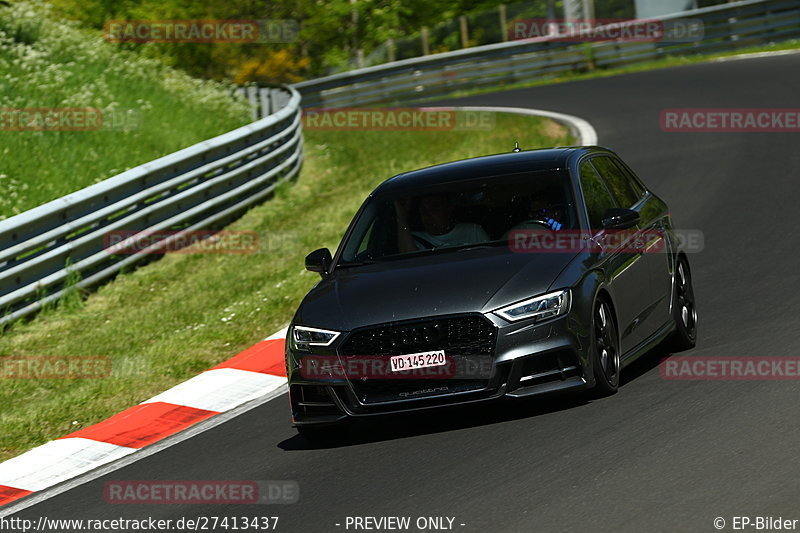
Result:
{"points": [[490, 165]]}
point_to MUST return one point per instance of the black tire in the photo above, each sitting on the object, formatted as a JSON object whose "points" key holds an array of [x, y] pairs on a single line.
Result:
{"points": [[605, 350], [684, 310]]}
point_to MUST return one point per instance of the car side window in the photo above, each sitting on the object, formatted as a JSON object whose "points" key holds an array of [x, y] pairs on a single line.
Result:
{"points": [[595, 194], [619, 184], [632, 179]]}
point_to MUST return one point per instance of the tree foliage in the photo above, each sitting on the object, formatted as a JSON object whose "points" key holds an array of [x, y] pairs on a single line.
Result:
{"points": [[332, 32]]}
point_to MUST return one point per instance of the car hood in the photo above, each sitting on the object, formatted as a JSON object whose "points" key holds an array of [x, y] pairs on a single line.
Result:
{"points": [[457, 282]]}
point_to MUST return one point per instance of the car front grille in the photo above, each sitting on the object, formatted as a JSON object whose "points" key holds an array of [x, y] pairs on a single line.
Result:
{"points": [[465, 335], [460, 337]]}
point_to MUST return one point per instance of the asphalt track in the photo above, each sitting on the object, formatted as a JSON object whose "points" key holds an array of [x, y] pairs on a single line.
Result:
{"points": [[660, 455]]}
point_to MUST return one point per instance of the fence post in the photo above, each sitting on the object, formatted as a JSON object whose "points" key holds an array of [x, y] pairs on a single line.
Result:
{"points": [[503, 22], [390, 52]]}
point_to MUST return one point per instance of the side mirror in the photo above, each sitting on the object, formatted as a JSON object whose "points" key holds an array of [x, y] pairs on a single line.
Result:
{"points": [[620, 218], [319, 261]]}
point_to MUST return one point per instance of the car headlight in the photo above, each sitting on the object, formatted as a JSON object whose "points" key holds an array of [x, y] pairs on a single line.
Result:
{"points": [[540, 308], [304, 337]]}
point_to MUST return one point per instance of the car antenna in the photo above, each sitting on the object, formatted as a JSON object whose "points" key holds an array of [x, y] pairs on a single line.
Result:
{"points": [[516, 147]]}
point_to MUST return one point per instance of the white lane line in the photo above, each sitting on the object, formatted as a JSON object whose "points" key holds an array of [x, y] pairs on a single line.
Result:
{"points": [[220, 390], [142, 453], [755, 55], [57, 461], [582, 129]]}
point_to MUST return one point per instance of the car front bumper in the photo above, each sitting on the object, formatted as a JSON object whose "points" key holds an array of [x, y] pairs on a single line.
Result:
{"points": [[530, 359]]}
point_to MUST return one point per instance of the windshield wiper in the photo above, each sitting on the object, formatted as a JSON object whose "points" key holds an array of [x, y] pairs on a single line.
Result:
{"points": [[427, 252], [480, 246]]}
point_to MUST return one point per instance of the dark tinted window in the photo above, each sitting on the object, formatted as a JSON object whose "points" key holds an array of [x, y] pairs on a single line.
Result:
{"points": [[460, 213], [598, 199], [634, 181], [618, 183]]}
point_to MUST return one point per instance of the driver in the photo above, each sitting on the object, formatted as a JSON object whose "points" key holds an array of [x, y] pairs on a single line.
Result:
{"points": [[543, 211], [439, 229]]}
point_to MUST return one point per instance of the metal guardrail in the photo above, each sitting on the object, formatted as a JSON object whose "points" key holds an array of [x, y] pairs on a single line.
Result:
{"points": [[264, 101], [195, 188], [726, 27]]}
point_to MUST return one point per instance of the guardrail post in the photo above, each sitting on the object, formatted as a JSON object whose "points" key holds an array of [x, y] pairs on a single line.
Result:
{"points": [[264, 102], [252, 96]]}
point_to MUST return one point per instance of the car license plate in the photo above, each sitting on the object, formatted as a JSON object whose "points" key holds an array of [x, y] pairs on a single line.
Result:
{"points": [[417, 360]]}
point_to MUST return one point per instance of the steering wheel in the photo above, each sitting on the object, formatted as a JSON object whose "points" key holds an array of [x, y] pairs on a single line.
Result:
{"points": [[538, 222]]}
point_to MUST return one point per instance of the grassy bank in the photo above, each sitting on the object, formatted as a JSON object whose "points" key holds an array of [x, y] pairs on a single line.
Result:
{"points": [[146, 109], [176, 317]]}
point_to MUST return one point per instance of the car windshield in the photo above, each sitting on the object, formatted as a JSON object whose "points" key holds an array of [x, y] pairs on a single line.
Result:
{"points": [[459, 214]]}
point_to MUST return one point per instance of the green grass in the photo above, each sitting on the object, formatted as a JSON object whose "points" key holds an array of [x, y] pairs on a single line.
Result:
{"points": [[667, 62], [176, 317], [48, 63]]}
